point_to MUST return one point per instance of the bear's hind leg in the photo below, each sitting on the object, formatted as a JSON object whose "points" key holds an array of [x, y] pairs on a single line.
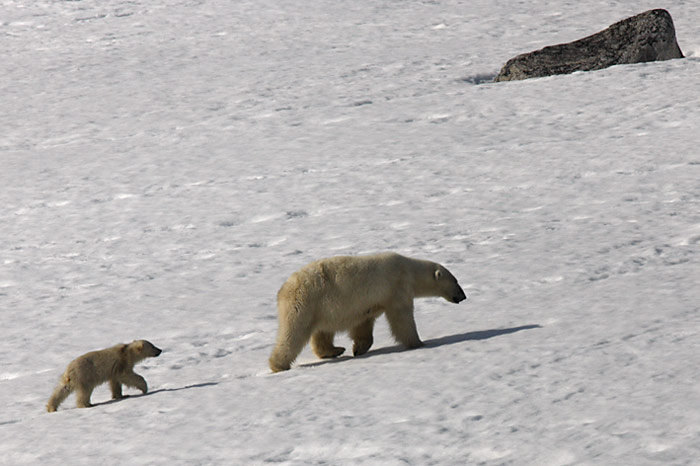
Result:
{"points": [[362, 337], [403, 325], [83, 394], [59, 394], [291, 339], [322, 345]]}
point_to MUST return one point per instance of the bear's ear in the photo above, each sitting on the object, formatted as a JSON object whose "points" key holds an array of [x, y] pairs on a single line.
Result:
{"points": [[438, 274], [138, 345]]}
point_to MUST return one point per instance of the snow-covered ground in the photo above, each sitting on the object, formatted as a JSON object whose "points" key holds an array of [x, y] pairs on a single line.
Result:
{"points": [[164, 167]]}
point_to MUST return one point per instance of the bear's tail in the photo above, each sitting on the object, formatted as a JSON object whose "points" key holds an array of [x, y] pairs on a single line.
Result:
{"points": [[59, 394]]}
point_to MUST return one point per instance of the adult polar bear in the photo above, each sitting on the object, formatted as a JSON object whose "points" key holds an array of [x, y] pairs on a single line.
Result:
{"points": [[348, 293]]}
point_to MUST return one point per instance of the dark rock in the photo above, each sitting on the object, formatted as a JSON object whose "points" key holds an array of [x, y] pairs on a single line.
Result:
{"points": [[649, 36]]}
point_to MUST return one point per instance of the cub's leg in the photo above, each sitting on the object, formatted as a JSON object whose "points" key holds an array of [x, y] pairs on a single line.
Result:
{"points": [[403, 325], [83, 393], [322, 345], [116, 387], [362, 337], [131, 379], [59, 394]]}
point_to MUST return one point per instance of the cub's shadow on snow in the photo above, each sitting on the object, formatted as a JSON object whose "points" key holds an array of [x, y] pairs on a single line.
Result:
{"points": [[188, 387], [433, 343]]}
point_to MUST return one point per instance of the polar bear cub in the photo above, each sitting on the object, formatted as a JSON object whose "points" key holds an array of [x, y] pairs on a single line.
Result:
{"points": [[348, 293], [114, 365]]}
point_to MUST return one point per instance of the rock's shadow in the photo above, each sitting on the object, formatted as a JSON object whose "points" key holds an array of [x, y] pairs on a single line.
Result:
{"points": [[480, 78]]}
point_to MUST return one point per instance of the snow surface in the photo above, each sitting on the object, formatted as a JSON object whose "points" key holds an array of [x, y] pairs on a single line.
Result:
{"points": [[166, 165]]}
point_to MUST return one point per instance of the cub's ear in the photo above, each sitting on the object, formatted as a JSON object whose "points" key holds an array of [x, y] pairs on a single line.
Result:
{"points": [[438, 274], [138, 345]]}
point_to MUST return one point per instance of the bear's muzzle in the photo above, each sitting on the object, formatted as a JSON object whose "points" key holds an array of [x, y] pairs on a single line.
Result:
{"points": [[459, 297]]}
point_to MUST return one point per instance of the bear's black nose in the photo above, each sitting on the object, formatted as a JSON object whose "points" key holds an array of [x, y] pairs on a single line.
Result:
{"points": [[459, 297]]}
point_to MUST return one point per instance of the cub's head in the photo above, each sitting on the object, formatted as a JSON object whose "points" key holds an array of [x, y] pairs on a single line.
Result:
{"points": [[447, 285], [144, 349]]}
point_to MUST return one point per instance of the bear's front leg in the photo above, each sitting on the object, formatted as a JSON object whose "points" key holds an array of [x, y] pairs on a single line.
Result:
{"points": [[362, 337], [403, 325], [116, 388], [134, 380], [322, 345]]}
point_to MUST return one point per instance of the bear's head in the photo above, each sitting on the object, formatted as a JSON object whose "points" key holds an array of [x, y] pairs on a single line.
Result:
{"points": [[447, 285], [145, 349]]}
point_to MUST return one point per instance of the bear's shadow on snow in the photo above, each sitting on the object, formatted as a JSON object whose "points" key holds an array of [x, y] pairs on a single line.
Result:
{"points": [[433, 343], [478, 335], [160, 390]]}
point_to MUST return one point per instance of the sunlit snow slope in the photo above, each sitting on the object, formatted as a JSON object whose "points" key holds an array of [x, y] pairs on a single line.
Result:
{"points": [[164, 167]]}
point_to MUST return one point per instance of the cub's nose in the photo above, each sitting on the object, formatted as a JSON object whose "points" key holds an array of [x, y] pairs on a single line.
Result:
{"points": [[459, 297], [158, 351]]}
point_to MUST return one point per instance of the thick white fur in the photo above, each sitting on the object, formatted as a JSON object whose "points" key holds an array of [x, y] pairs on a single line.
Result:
{"points": [[114, 365], [348, 293]]}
